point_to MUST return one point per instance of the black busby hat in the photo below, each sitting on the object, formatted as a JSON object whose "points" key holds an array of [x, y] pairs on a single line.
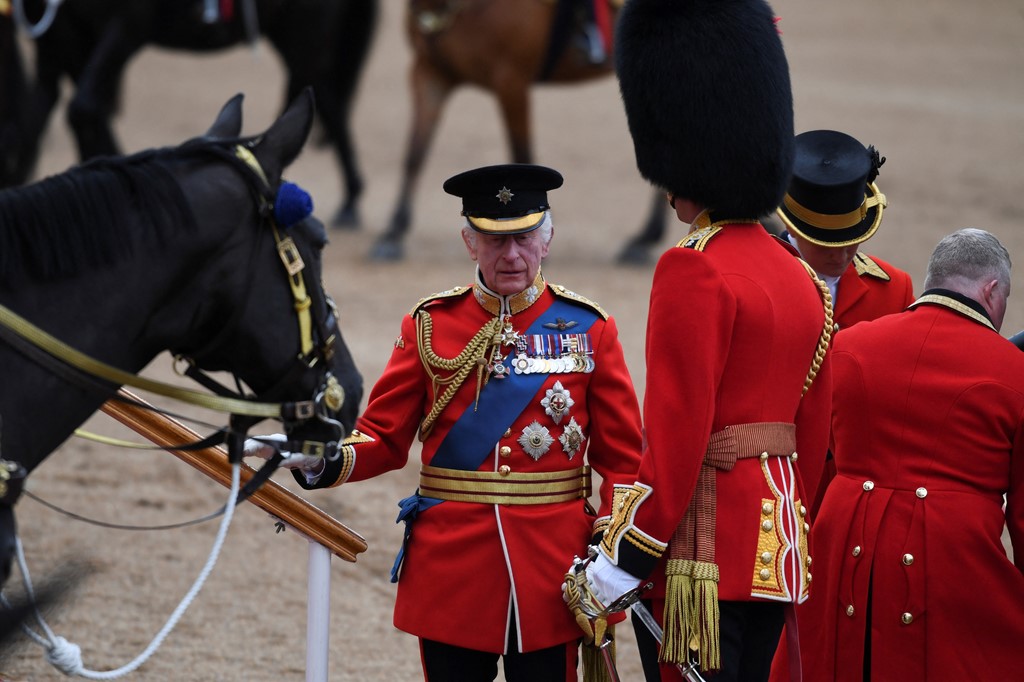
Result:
{"points": [[706, 89], [509, 198], [832, 198]]}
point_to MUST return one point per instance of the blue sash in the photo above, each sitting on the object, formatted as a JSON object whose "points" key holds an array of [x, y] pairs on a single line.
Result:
{"points": [[471, 439]]}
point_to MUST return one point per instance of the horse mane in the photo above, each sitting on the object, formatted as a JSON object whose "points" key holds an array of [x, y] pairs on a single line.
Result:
{"points": [[90, 216]]}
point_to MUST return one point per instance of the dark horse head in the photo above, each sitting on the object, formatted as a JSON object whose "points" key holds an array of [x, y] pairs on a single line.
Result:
{"points": [[176, 249]]}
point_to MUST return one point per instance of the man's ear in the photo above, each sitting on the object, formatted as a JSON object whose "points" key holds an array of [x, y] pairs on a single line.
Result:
{"points": [[470, 243]]}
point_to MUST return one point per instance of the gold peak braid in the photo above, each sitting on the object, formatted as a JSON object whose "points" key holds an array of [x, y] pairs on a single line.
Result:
{"points": [[472, 356], [826, 330]]}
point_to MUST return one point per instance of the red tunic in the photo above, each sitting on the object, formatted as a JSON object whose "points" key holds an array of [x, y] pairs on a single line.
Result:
{"points": [[732, 332], [928, 435], [469, 566], [870, 288]]}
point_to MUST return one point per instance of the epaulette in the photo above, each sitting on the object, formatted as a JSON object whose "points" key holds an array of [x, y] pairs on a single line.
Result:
{"points": [[866, 266], [562, 292], [448, 293], [699, 239]]}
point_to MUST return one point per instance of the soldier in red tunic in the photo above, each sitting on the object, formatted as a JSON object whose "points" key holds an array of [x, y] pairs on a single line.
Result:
{"points": [[913, 581], [515, 387], [833, 205], [717, 514]]}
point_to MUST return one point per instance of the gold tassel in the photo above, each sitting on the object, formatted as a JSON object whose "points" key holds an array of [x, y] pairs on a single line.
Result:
{"points": [[691, 618], [594, 667], [708, 619], [678, 611]]}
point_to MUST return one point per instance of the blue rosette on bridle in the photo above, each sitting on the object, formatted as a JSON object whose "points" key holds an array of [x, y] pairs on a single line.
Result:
{"points": [[291, 205]]}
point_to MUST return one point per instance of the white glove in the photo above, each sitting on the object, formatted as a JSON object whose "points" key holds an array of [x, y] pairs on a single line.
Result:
{"points": [[292, 460], [607, 581]]}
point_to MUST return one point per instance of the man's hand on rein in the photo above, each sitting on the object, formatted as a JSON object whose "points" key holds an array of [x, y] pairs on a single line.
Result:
{"points": [[267, 446]]}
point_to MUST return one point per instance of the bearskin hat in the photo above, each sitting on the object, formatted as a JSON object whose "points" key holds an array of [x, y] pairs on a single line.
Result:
{"points": [[706, 89]]}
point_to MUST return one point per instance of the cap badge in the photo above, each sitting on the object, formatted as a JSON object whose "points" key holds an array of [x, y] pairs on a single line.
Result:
{"points": [[536, 440], [504, 195]]}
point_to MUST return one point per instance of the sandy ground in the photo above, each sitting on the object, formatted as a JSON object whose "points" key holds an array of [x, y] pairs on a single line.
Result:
{"points": [[935, 86]]}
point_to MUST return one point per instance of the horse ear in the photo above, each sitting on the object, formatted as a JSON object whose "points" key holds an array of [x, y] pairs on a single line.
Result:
{"points": [[229, 120], [282, 142]]}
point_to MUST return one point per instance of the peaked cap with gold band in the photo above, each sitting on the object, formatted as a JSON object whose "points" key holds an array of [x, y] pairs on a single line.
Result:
{"points": [[832, 198], [505, 199]]}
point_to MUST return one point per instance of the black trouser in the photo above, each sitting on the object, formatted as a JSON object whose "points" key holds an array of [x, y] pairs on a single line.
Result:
{"points": [[749, 634], [449, 663]]}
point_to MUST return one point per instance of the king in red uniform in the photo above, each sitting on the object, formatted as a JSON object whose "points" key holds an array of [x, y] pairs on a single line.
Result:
{"points": [[515, 386], [717, 514]]}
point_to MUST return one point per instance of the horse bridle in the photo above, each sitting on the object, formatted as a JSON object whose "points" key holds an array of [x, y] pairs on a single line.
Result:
{"points": [[318, 333], [245, 410]]}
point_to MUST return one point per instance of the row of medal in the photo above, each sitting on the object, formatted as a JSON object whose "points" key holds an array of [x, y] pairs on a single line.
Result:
{"points": [[553, 354]]}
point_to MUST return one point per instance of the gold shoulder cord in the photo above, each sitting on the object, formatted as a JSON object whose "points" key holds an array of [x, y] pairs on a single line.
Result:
{"points": [[473, 355], [826, 331]]}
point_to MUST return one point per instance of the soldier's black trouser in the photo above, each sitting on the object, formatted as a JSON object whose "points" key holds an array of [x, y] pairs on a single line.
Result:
{"points": [[448, 663], [750, 634]]}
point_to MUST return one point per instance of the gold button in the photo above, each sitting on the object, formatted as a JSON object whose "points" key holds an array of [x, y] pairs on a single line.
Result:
{"points": [[355, 432], [921, 492], [907, 618], [766, 526], [766, 557], [505, 451], [808, 576], [908, 559], [807, 528], [856, 551], [849, 610], [869, 485], [765, 574], [764, 456], [504, 470], [767, 508], [508, 432], [808, 561], [794, 457], [803, 510]]}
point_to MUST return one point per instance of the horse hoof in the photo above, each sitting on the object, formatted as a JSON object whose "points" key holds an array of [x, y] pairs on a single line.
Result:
{"points": [[387, 250], [347, 218], [634, 254]]}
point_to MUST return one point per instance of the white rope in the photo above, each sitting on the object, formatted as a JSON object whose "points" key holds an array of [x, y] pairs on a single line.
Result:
{"points": [[44, 23], [67, 656]]}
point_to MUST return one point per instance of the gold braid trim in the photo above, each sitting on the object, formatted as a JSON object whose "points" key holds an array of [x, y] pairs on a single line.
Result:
{"points": [[473, 355], [826, 330]]}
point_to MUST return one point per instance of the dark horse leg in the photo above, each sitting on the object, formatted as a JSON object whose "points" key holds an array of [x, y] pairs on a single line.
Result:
{"points": [[430, 90], [348, 29], [95, 100], [637, 250]]}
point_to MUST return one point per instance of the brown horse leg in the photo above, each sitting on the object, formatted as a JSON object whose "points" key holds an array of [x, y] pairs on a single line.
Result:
{"points": [[430, 90], [513, 95], [637, 250]]}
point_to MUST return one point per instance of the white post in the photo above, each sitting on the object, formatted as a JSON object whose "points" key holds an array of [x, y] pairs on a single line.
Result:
{"points": [[318, 613]]}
